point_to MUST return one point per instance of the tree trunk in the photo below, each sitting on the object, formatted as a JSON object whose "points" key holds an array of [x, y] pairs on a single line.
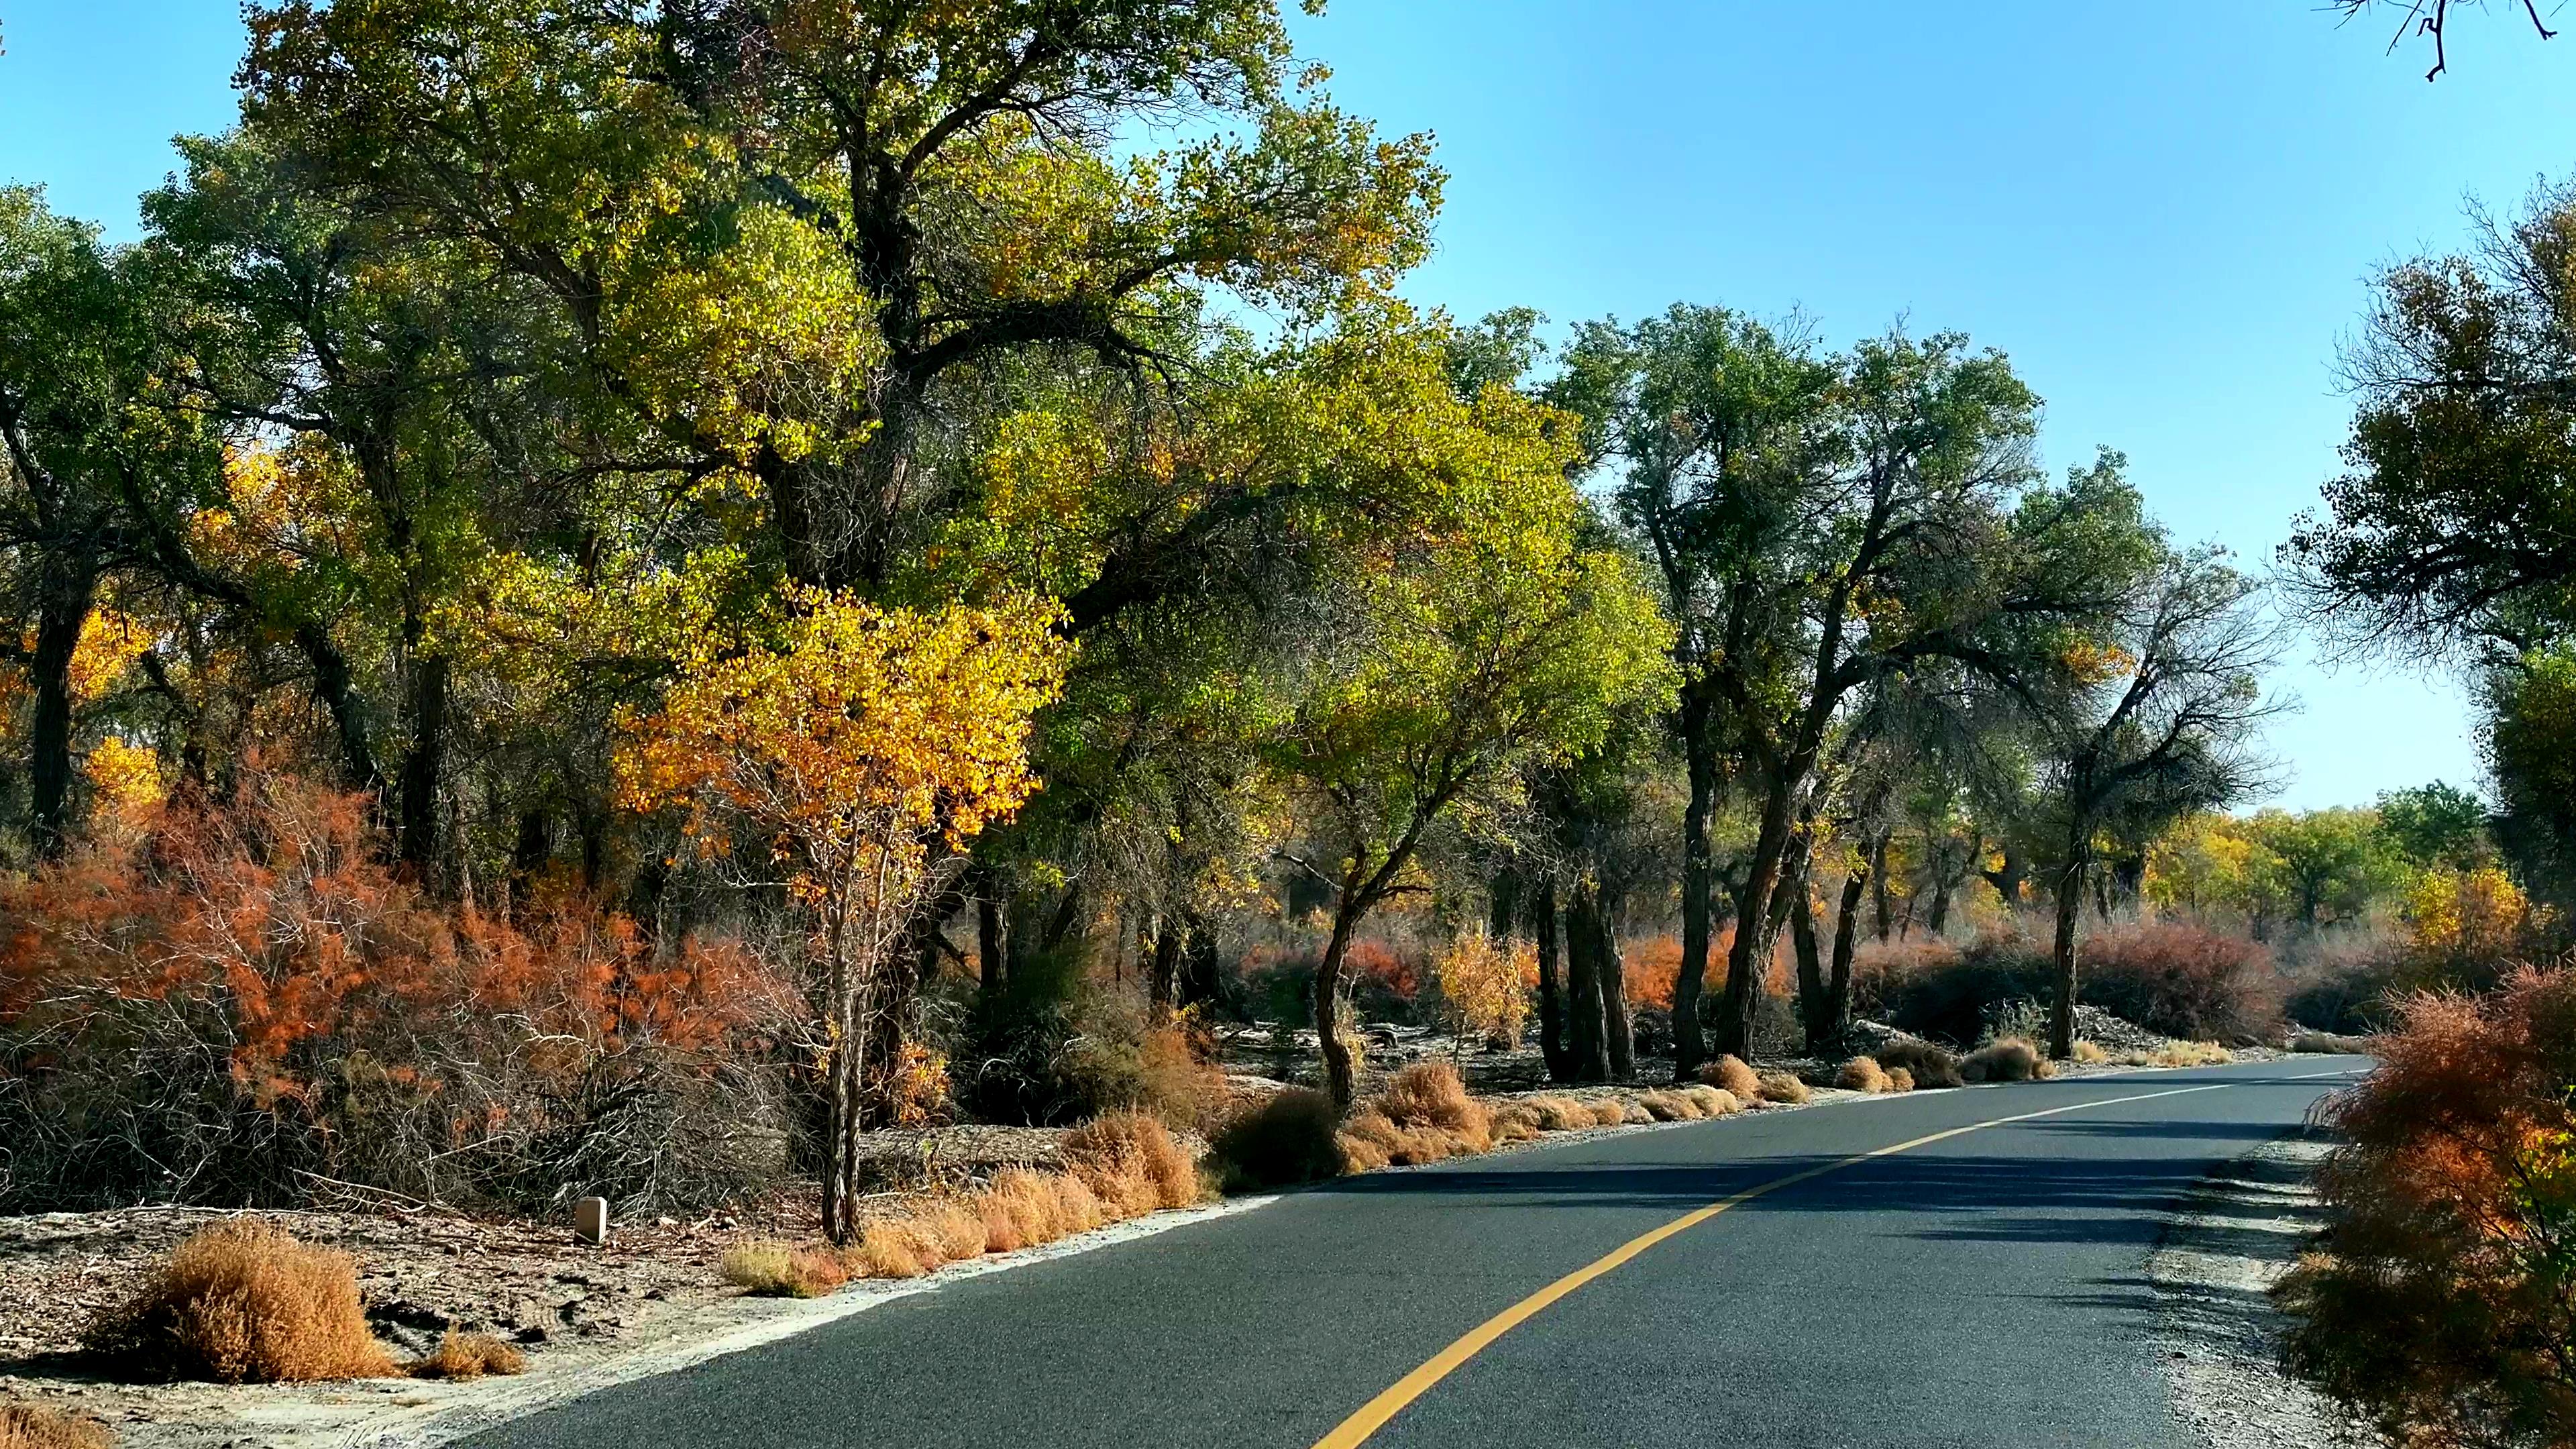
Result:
{"points": [[1750, 955], [1618, 1031], [1838, 984], [1878, 886], [1200, 980], [992, 932], [1811, 968], [1163, 976], [1939, 920], [1551, 999], [1341, 1077], [1587, 1044], [1700, 754], [422, 765], [2008, 881], [2070, 907], [69, 584]]}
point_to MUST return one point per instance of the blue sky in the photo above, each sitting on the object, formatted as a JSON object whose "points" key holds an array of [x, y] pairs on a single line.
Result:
{"points": [[2167, 215]]}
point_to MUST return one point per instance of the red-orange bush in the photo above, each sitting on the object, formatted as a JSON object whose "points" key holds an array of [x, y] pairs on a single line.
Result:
{"points": [[238, 997], [1650, 968], [2182, 980], [2443, 1300]]}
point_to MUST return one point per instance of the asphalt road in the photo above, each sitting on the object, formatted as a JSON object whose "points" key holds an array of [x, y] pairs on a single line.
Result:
{"points": [[1977, 1290]]}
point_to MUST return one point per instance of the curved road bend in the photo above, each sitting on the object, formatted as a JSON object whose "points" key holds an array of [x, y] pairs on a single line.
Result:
{"points": [[1979, 1288]]}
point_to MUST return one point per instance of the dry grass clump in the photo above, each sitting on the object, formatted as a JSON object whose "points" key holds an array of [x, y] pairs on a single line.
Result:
{"points": [[469, 1356], [25, 1426], [1288, 1138], [243, 1302], [1371, 1139], [894, 1248], [1712, 1101], [1784, 1088], [1021, 1209], [1862, 1074], [2007, 1059], [1517, 1122], [1131, 1159], [1666, 1106], [1608, 1112], [1730, 1074], [2089, 1053], [2191, 1054], [1899, 1080], [28, 1426], [1928, 1063], [1428, 1097], [1561, 1114], [782, 1270]]}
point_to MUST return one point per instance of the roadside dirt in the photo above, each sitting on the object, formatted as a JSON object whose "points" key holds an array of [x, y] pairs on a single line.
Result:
{"points": [[2216, 1328]]}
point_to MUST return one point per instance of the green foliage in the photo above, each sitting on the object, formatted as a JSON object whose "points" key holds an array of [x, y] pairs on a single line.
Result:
{"points": [[2435, 824]]}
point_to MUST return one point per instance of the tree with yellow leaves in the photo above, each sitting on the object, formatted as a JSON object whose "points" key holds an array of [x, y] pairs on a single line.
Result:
{"points": [[855, 755]]}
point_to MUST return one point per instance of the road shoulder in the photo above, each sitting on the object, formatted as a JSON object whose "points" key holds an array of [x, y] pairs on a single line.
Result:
{"points": [[2217, 1331]]}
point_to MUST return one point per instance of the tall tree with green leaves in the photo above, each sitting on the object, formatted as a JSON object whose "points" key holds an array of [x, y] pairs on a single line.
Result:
{"points": [[2157, 721]]}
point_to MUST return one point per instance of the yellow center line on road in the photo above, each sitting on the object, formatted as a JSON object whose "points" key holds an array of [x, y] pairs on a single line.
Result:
{"points": [[1373, 1415]]}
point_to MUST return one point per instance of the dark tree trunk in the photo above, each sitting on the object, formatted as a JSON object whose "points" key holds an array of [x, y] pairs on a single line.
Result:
{"points": [[1201, 977], [2070, 907], [530, 852], [2008, 881], [1811, 968], [423, 763], [1163, 973], [1939, 920], [1759, 915], [1697, 882], [1503, 904], [1838, 984], [992, 932], [1551, 999], [69, 584], [1587, 1043]]}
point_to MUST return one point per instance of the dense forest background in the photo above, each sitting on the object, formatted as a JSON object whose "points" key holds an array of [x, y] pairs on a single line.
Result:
{"points": [[615, 596]]}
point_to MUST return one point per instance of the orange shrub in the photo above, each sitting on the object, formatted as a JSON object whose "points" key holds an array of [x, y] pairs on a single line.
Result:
{"points": [[233, 993], [2444, 1294], [1650, 967], [468, 1356]]}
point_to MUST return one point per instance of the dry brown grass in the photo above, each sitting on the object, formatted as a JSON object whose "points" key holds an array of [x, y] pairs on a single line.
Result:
{"points": [[1019, 1210], [1713, 1101], [1928, 1063], [1784, 1089], [1608, 1112], [243, 1302], [1429, 1095], [1663, 1106], [782, 1270], [1131, 1159], [1287, 1138], [1899, 1080], [1516, 1122], [1864, 1074], [469, 1356], [893, 1248], [25, 1426], [2089, 1053], [2174, 1054], [1730, 1074], [1561, 1114], [2007, 1059]]}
